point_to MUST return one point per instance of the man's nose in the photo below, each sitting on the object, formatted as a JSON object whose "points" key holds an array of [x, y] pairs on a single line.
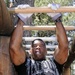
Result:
{"points": [[38, 46]]}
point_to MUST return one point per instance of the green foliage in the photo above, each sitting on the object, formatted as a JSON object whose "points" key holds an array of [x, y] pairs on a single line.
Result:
{"points": [[46, 2], [42, 19], [42, 2]]}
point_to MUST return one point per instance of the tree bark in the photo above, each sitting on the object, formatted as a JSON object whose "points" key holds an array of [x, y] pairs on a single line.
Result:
{"points": [[6, 67], [6, 25]]}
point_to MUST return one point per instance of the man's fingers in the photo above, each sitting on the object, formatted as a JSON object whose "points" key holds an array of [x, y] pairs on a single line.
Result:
{"points": [[54, 6], [23, 6]]}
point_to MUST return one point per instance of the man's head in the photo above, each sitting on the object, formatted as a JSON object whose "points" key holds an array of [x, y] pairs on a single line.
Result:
{"points": [[38, 49]]}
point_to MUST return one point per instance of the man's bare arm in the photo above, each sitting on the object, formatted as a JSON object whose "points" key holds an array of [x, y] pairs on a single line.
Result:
{"points": [[61, 52], [18, 55]]}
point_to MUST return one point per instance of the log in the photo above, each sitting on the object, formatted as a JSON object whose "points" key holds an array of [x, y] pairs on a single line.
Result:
{"points": [[6, 25], [43, 38], [52, 28], [62, 9]]}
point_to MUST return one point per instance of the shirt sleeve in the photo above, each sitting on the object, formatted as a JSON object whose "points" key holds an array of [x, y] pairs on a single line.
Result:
{"points": [[21, 69], [59, 66]]}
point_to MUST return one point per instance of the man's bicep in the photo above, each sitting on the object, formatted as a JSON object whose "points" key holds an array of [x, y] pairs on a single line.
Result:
{"points": [[18, 57], [60, 55]]}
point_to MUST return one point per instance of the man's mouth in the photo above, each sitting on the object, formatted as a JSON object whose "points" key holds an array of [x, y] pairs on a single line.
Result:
{"points": [[37, 52]]}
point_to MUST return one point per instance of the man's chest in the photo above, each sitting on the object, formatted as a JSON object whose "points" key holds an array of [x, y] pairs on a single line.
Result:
{"points": [[42, 68]]}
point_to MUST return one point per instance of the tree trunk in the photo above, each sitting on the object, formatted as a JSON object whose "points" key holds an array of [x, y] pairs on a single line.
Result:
{"points": [[6, 26], [6, 67], [71, 58]]}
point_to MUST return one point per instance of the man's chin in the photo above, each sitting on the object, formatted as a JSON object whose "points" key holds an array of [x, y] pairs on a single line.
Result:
{"points": [[39, 58]]}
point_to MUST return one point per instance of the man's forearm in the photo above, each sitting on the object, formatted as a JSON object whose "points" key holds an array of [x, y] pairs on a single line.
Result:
{"points": [[61, 34]]}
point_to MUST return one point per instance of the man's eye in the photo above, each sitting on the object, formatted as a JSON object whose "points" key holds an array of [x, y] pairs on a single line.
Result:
{"points": [[34, 46], [41, 45]]}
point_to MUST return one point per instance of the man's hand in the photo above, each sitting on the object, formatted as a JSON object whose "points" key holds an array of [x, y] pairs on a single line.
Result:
{"points": [[54, 16], [24, 17]]}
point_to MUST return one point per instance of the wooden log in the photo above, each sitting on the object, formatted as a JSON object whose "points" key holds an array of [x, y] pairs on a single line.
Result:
{"points": [[6, 26], [43, 38], [62, 9], [52, 28]]}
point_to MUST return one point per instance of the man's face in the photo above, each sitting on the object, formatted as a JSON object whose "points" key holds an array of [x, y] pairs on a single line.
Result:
{"points": [[38, 50]]}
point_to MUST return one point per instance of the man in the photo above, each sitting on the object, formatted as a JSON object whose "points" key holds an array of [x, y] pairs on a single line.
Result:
{"points": [[38, 64]]}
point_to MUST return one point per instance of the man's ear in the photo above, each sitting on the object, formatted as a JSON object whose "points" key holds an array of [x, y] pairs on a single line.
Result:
{"points": [[46, 51]]}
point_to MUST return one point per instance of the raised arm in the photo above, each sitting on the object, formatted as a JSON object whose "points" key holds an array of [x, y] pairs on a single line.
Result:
{"points": [[18, 55], [61, 53]]}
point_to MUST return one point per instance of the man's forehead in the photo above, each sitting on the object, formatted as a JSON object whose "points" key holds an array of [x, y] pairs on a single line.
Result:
{"points": [[37, 41]]}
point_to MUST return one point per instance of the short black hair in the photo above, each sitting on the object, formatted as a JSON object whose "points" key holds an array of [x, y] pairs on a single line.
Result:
{"points": [[38, 40]]}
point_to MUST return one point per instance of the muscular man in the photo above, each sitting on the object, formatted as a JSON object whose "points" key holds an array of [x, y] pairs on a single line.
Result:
{"points": [[38, 64]]}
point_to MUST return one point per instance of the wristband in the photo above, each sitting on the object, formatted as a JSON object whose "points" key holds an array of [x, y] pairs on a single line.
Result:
{"points": [[58, 20]]}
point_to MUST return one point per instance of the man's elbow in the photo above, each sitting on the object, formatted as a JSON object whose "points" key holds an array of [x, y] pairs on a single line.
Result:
{"points": [[65, 46], [12, 47]]}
